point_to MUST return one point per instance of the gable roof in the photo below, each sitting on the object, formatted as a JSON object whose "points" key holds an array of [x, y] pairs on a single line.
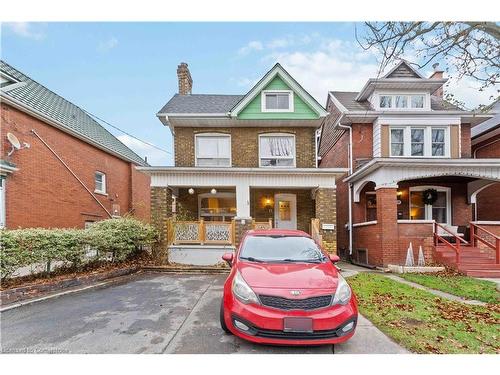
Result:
{"points": [[403, 70], [277, 69], [201, 103], [32, 96]]}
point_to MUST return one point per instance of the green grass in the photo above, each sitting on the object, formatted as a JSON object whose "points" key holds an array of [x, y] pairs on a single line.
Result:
{"points": [[462, 286], [424, 323]]}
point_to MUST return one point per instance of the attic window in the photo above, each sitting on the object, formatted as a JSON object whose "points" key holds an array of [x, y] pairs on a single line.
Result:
{"points": [[277, 101], [401, 101]]}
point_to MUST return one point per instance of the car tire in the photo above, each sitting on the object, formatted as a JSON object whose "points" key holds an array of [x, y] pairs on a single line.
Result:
{"points": [[222, 321]]}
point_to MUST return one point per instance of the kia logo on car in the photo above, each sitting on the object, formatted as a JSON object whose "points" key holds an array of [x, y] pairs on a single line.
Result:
{"points": [[295, 292]]}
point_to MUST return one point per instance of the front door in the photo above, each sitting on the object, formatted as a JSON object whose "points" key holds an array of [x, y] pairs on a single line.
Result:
{"points": [[285, 211]]}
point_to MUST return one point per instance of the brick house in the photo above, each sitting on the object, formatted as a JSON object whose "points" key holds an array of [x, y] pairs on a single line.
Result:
{"points": [[486, 144], [241, 162], [69, 170], [411, 176]]}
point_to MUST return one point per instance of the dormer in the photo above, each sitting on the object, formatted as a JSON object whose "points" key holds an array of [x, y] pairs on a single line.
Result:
{"points": [[402, 89]]}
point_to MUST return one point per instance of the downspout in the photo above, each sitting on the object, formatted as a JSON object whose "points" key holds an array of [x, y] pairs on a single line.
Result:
{"points": [[70, 171], [350, 184]]}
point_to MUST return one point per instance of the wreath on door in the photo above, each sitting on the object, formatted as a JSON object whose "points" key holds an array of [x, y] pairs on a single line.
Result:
{"points": [[430, 196]]}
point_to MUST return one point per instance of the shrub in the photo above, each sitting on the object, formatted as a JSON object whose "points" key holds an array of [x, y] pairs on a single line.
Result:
{"points": [[120, 237]]}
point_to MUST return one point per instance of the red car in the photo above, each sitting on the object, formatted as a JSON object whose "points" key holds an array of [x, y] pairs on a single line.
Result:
{"points": [[283, 289]]}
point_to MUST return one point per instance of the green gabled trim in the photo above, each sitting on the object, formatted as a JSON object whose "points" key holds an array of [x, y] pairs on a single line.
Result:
{"points": [[298, 90]]}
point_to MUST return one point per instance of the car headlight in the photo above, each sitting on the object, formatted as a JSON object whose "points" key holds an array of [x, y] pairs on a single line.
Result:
{"points": [[343, 292], [242, 291]]}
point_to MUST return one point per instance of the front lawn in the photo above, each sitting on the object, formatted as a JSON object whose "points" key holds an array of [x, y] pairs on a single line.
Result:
{"points": [[462, 286], [424, 323]]}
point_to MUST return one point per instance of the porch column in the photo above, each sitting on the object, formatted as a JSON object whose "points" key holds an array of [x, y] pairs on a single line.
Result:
{"points": [[387, 223], [326, 212], [243, 201], [161, 210]]}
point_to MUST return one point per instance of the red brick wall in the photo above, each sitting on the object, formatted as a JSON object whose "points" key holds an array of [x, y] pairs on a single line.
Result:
{"points": [[362, 144], [488, 149], [465, 140], [418, 235], [42, 193], [387, 223], [368, 237]]}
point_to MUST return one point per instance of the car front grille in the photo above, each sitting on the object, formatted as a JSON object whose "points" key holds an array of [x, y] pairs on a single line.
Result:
{"points": [[281, 303]]}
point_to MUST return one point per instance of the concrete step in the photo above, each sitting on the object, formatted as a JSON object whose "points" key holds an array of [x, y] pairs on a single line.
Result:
{"points": [[482, 273], [478, 266]]}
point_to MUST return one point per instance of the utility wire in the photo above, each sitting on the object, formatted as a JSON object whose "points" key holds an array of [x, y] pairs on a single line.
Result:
{"points": [[124, 132]]}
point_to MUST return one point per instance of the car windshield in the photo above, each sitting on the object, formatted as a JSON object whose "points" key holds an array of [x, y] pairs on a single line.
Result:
{"points": [[281, 249]]}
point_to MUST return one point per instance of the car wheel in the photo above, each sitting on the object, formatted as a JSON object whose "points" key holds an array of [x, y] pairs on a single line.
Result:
{"points": [[222, 321]]}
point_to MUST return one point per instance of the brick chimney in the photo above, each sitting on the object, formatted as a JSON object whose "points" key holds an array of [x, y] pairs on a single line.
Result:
{"points": [[185, 80], [437, 74]]}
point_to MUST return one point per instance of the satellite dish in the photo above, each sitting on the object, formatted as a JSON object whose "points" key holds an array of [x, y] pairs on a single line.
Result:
{"points": [[16, 145]]}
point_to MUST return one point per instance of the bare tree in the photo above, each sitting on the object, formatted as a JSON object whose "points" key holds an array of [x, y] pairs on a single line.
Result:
{"points": [[472, 48]]}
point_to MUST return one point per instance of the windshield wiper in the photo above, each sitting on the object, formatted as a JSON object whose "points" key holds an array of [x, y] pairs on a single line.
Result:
{"points": [[288, 260], [252, 259]]}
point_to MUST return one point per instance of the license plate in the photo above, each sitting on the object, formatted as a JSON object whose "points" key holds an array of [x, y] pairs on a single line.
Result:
{"points": [[297, 325]]}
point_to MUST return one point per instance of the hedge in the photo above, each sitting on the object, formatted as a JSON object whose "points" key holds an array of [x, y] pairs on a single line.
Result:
{"points": [[114, 240]]}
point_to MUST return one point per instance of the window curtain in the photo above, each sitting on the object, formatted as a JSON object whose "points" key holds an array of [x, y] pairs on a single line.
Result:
{"points": [[278, 146]]}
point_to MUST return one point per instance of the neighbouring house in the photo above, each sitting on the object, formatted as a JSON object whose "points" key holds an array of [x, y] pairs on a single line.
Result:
{"points": [[486, 144], [412, 177], [242, 162], [60, 168]]}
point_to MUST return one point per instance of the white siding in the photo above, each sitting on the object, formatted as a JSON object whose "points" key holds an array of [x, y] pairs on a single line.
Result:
{"points": [[377, 148]]}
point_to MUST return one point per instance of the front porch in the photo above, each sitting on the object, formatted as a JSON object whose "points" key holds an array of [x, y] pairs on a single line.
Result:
{"points": [[210, 209], [433, 208]]}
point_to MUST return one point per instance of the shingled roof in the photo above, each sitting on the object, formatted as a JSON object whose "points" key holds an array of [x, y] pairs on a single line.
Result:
{"points": [[201, 103], [51, 105], [348, 100]]}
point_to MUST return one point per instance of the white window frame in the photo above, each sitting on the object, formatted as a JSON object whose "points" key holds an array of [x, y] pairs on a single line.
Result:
{"points": [[3, 187], [200, 135], [279, 157], [424, 142], [408, 108], [428, 207], [102, 191], [427, 141], [290, 100]]}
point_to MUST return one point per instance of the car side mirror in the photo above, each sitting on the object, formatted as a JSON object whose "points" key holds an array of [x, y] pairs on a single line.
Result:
{"points": [[228, 258], [334, 258]]}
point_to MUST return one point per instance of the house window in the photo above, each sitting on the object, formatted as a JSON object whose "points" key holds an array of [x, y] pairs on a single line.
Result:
{"points": [[217, 207], [439, 210], [213, 150], [385, 101], [397, 142], [100, 183], [417, 142], [417, 101], [401, 101], [277, 101], [277, 150], [438, 142]]}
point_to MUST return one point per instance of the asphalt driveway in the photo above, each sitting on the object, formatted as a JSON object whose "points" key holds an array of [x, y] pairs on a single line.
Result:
{"points": [[149, 313]]}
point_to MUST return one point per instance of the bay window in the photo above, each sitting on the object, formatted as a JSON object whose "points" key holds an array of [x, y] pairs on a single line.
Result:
{"points": [[277, 150], [419, 141], [213, 150]]}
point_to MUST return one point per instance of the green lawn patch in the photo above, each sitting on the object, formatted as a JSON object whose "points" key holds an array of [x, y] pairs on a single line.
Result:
{"points": [[424, 323], [462, 286]]}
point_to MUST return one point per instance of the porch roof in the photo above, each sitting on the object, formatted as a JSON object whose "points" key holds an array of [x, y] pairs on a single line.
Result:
{"points": [[387, 172], [255, 177]]}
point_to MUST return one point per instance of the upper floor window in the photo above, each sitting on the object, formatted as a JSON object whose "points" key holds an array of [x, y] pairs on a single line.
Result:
{"points": [[401, 101], [277, 150], [100, 182], [424, 141], [277, 101], [213, 150]]}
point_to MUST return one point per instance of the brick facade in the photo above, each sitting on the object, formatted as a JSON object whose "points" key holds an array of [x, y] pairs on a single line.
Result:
{"points": [[245, 145], [43, 193], [326, 212]]}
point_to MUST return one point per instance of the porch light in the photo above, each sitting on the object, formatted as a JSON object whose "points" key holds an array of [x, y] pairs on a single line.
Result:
{"points": [[399, 193], [213, 191], [191, 191]]}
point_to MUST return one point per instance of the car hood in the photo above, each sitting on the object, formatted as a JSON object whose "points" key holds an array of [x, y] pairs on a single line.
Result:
{"points": [[290, 275]]}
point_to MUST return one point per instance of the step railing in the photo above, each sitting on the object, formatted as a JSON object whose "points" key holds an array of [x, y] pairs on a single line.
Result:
{"points": [[262, 225], [440, 239], [475, 236]]}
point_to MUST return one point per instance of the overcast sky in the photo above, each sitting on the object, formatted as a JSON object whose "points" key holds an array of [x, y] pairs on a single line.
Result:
{"points": [[125, 72]]}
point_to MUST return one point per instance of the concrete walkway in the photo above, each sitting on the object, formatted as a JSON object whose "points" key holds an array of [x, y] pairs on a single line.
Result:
{"points": [[150, 313], [436, 292]]}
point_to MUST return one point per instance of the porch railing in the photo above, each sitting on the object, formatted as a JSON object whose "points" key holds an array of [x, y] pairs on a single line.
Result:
{"points": [[441, 239], [202, 232], [262, 225], [475, 236]]}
